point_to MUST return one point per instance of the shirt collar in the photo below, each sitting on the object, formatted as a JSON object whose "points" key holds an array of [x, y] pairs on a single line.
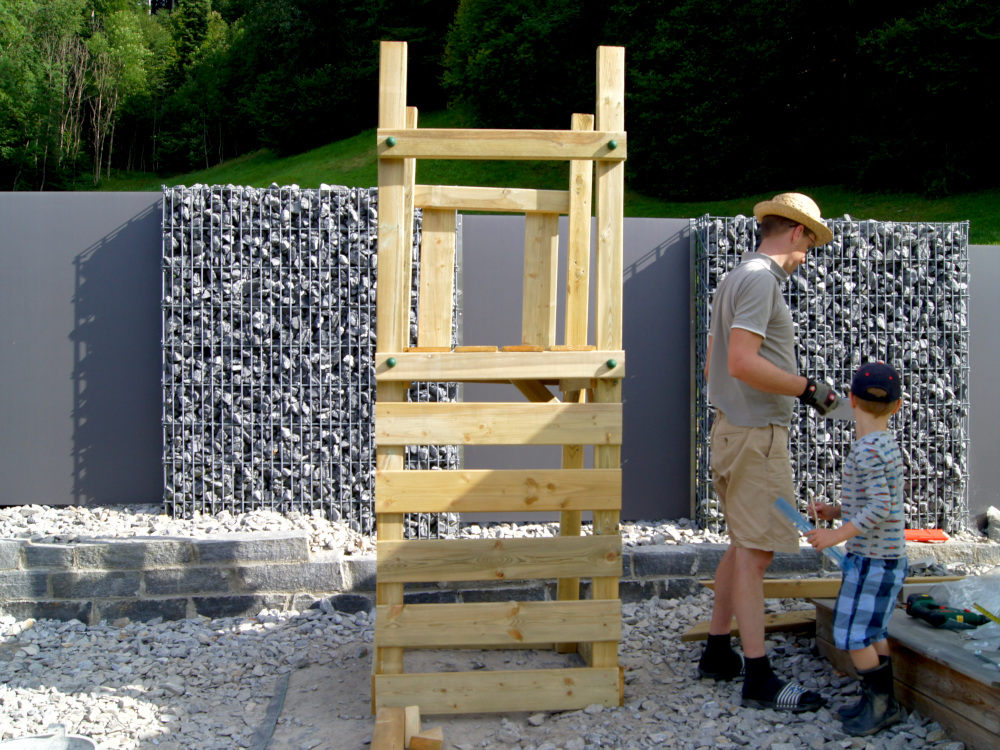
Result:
{"points": [[772, 264]]}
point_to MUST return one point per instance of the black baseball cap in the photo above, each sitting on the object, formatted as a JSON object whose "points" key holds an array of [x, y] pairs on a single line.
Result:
{"points": [[877, 381]]}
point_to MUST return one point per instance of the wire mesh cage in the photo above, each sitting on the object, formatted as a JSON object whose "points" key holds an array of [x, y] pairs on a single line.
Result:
{"points": [[268, 354], [879, 291]]}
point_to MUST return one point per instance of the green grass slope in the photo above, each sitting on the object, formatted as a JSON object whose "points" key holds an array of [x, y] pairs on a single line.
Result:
{"points": [[352, 162]]}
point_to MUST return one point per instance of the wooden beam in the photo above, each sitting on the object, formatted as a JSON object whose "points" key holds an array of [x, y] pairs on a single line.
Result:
{"points": [[819, 588], [535, 391], [437, 279], [610, 202], [389, 729], [542, 145], [482, 366], [497, 490], [494, 200], [498, 559], [581, 188], [393, 309], [411, 724], [402, 424], [428, 739], [508, 624], [501, 691], [804, 619], [540, 289]]}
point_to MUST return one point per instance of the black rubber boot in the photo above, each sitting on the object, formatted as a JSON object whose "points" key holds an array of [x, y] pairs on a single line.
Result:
{"points": [[879, 709], [853, 709]]}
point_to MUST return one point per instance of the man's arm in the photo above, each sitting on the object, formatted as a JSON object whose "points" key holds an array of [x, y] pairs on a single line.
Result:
{"points": [[746, 364], [708, 356]]}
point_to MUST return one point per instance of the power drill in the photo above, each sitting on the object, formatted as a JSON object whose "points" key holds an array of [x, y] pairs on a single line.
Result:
{"points": [[925, 608]]}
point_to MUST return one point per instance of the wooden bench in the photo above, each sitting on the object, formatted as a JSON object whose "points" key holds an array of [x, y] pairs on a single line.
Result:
{"points": [[934, 675]]}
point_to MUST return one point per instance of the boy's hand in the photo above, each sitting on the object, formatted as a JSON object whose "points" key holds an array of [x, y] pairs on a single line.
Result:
{"points": [[824, 511], [822, 538]]}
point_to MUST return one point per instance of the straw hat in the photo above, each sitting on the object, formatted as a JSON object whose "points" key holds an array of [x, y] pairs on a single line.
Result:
{"points": [[797, 207]]}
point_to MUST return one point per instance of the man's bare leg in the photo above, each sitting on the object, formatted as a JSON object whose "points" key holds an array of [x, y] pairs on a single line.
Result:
{"points": [[747, 597], [722, 608]]}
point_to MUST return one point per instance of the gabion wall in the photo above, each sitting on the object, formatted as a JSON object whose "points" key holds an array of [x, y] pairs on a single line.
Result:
{"points": [[895, 292], [268, 354]]}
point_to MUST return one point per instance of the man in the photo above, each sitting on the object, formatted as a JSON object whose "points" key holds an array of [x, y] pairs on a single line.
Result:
{"points": [[753, 385]]}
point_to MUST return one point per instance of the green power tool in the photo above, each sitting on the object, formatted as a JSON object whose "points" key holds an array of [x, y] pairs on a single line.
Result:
{"points": [[923, 607]]}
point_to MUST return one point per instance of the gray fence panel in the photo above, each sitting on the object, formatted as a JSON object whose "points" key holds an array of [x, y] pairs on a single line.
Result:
{"points": [[984, 367], [80, 348]]}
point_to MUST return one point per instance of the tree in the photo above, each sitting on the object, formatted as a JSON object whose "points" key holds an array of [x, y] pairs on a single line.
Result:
{"points": [[931, 101], [118, 71], [726, 97], [515, 63]]}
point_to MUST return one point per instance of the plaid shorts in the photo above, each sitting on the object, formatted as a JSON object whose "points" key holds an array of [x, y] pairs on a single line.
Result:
{"points": [[867, 597]]}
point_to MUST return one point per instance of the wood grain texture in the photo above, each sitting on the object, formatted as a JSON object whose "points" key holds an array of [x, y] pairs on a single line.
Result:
{"points": [[402, 424], [542, 145], [497, 490], [501, 691], [498, 559]]}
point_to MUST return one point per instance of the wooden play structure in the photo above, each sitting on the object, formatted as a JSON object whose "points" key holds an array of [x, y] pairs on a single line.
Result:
{"points": [[587, 412]]}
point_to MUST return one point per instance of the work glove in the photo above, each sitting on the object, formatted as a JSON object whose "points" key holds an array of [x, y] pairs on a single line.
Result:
{"points": [[819, 396]]}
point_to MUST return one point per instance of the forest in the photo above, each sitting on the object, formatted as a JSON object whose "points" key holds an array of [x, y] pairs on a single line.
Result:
{"points": [[723, 97]]}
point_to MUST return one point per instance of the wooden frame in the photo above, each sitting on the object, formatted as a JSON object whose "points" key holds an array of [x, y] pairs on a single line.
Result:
{"points": [[588, 372]]}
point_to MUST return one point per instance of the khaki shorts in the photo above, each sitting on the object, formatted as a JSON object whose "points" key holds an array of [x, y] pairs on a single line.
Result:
{"points": [[751, 468]]}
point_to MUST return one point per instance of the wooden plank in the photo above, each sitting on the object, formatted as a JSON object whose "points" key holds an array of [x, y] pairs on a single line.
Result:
{"points": [[458, 143], [498, 424], [437, 279], [464, 349], [497, 559], [392, 306], [501, 691], [608, 300], [573, 348], [498, 491], [411, 724], [610, 202], [429, 739], [606, 522], [492, 199], [971, 732], [389, 729], [496, 623], [539, 298], [393, 300], [477, 366], [522, 348], [804, 619], [535, 391], [581, 188], [406, 236], [818, 588]]}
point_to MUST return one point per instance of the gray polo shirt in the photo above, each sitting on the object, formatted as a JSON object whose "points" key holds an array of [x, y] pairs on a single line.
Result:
{"points": [[750, 297]]}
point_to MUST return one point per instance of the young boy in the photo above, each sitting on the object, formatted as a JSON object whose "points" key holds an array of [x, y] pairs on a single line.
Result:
{"points": [[876, 549]]}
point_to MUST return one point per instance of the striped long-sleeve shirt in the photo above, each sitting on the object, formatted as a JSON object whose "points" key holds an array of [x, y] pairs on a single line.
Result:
{"points": [[873, 497]]}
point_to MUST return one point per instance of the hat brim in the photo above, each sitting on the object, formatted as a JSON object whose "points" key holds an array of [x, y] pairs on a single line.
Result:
{"points": [[775, 208]]}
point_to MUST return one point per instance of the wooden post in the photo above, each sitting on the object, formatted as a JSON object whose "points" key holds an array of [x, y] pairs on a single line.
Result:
{"points": [[581, 188], [608, 312], [392, 306]]}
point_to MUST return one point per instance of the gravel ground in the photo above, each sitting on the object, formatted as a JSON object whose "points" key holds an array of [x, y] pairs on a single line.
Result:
{"points": [[208, 684]]}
